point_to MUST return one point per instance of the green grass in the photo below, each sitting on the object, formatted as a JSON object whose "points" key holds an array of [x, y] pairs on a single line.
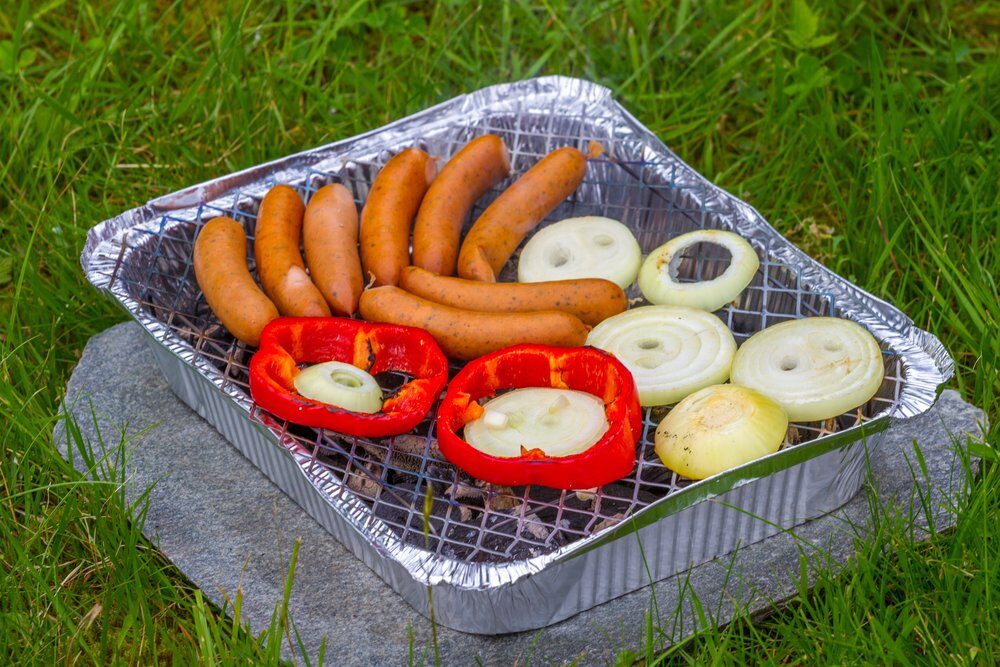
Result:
{"points": [[865, 132]]}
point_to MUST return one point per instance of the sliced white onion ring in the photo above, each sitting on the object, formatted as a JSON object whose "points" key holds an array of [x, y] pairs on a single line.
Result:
{"points": [[815, 367], [588, 247], [560, 422], [718, 428], [660, 287], [671, 351], [340, 384]]}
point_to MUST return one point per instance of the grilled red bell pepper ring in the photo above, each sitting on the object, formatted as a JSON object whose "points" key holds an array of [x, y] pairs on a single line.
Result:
{"points": [[582, 368], [289, 341]]}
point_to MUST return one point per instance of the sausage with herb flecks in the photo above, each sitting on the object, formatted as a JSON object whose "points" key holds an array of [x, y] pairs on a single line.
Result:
{"points": [[593, 300], [467, 334]]}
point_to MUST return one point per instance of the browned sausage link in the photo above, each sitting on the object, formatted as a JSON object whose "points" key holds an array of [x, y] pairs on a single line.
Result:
{"points": [[388, 214], [220, 267], [279, 262], [467, 334], [480, 165], [591, 299], [517, 211], [330, 238]]}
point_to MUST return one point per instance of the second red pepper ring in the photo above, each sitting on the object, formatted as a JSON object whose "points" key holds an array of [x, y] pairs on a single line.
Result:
{"points": [[581, 368], [375, 348]]}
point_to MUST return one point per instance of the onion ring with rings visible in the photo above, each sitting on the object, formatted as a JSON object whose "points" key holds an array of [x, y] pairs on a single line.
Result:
{"points": [[560, 422], [671, 351], [815, 368]]}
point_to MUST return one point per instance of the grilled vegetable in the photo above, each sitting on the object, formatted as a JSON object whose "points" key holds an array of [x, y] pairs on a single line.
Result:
{"points": [[559, 422], [718, 428], [374, 348], [589, 247], [340, 384], [659, 283], [559, 465], [671, 351], [815, 367]]}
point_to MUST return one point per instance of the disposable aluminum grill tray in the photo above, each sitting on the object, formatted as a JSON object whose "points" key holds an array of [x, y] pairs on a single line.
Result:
{"points": [[509, 559]]}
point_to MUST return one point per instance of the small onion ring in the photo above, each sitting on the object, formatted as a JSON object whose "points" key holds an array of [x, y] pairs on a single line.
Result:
{"points": [[816, 367], [659, 287], [340, 384], [587, 247], [718, 428], [560, 422], [671, 351]]}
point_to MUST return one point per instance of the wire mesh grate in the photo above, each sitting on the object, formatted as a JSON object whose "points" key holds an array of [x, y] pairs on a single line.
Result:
{"points": [[469, 520]]}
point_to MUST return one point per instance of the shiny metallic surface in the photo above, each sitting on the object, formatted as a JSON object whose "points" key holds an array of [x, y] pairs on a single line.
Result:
{"points": [[507, 559]]}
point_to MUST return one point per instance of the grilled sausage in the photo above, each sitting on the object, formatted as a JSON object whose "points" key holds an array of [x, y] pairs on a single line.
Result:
{"points": [[330, 238], [467, 334], [591, 299], [220, 267], [389, 211], [479, 166], [279, 262], [503, 225]]}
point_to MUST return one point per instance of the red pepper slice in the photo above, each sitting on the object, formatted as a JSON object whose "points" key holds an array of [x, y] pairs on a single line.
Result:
{"points": [[289, 341], [582, 368]]}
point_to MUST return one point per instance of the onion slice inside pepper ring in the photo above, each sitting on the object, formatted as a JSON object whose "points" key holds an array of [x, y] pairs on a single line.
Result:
{"points": [[718, 428], [582, 369], [671, 351], [815, 367], [660, 287], [559, 422], [288, 342], [340, 384]]}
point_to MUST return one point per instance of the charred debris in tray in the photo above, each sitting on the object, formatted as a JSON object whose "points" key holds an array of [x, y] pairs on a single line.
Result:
{"points": [[479, 522]]}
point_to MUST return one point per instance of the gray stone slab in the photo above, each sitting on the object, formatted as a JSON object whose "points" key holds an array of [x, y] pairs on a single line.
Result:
{"points": [[228, 528]]}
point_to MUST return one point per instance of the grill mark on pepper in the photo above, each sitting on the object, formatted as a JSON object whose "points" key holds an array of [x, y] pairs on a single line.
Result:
{"points": [[364, 351]]}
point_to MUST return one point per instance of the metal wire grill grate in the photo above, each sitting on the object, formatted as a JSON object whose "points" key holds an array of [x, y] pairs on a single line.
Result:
{"points": [[469, 520]]}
